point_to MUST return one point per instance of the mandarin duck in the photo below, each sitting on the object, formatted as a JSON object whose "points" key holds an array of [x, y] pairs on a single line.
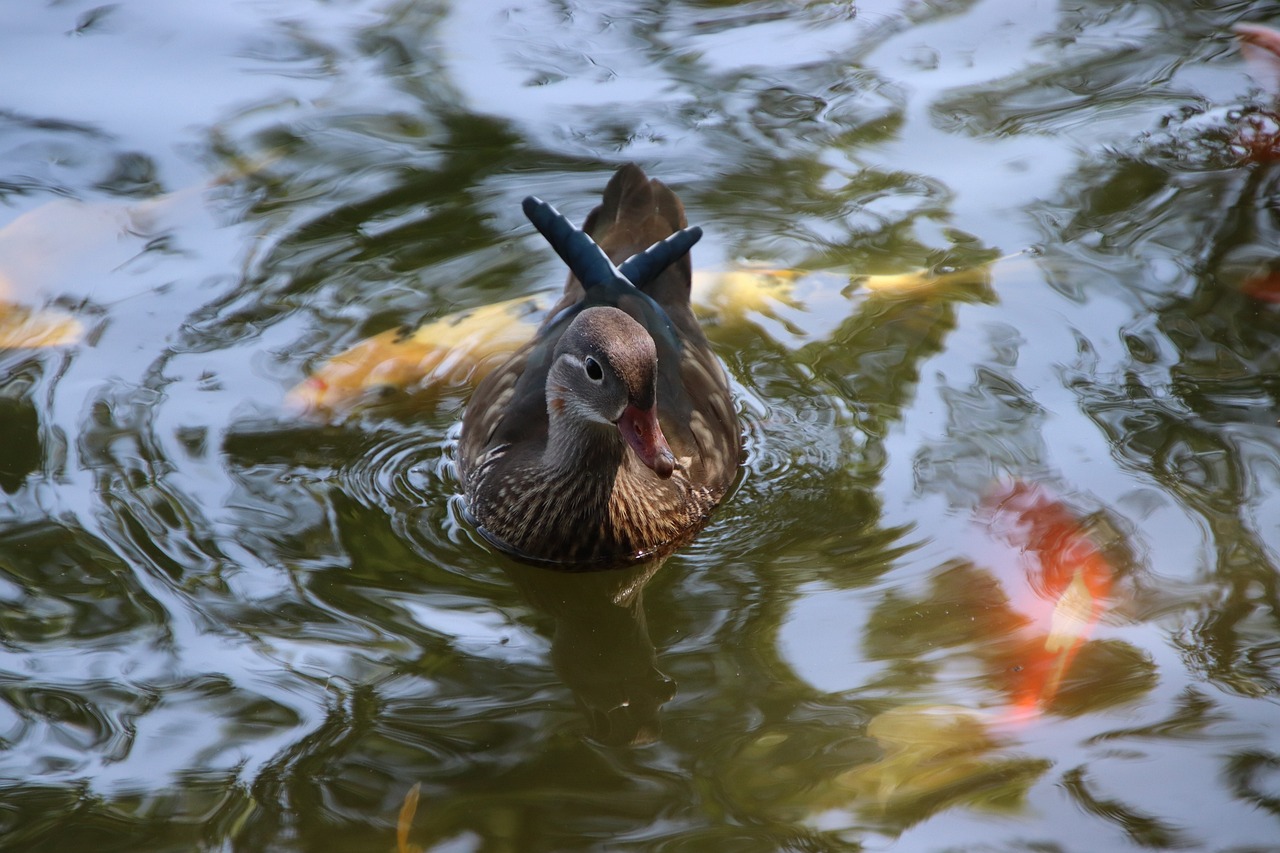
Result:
{"points": [[611, 436]]}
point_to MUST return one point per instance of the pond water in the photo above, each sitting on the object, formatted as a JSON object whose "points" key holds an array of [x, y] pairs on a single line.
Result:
{"points": [[1003, 569]]}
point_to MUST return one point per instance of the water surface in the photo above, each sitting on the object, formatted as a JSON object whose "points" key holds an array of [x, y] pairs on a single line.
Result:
{"points": [[1002, 569]]}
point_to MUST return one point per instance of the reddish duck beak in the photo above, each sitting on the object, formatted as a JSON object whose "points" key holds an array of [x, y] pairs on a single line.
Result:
{"points": [[640, 429]]}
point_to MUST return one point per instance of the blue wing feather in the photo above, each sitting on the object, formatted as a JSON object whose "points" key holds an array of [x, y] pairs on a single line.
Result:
{"points": [[602, 282], [643, 267]]}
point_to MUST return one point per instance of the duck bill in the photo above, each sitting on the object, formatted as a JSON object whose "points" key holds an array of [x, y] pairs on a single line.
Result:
{"points": [[640, 429]]}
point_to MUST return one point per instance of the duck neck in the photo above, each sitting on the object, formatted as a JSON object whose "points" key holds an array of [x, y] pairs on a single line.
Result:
{"points": [[576, 445]]}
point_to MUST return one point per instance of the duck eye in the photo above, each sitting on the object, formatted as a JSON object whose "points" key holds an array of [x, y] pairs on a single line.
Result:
{"points": [[594, 371]]}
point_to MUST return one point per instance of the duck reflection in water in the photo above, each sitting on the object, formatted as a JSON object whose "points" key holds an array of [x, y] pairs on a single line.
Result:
{"points": [[601, 647]]}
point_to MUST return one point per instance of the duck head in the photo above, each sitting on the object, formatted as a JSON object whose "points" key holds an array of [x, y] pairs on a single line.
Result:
{"points": [[604, 372]]}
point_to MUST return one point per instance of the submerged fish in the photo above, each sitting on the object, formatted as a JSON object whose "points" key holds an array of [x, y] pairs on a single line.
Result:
{"points": [[1071, 579], [1261, 48], [23, 327], [461, 348], [938, 756], [455, 350], [71, 247]]}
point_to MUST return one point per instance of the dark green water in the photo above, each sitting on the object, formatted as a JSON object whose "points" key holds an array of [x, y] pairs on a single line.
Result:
{"points": [[226, 628]]}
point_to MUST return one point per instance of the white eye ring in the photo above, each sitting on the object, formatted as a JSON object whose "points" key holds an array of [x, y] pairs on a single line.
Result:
{"points": [[594, 372]]}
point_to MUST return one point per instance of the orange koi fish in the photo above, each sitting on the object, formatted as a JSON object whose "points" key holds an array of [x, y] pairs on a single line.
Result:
{"points": [[1070, 578]]}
